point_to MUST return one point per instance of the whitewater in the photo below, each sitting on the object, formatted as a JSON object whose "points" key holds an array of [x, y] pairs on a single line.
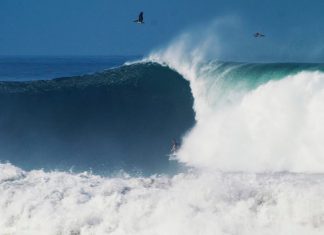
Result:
{"points": [[37, 202], [254, 163], [271, 114]]}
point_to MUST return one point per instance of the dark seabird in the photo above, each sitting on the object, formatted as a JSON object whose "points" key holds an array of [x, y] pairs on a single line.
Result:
{"points": [[258, 35], [140, 19]]}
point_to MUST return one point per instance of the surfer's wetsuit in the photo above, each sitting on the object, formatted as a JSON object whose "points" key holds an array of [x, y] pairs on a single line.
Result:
{"points": [[175, 146]]}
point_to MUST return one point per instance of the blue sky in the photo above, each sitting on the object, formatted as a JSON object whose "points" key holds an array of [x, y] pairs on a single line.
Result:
{"points": [[104, 27]]}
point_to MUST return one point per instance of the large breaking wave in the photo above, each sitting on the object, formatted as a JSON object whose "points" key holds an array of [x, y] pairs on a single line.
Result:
{"points": [[255, 152], [251, 117]]}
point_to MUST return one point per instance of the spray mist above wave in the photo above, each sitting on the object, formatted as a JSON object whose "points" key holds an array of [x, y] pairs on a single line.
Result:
{"points": [[249, 117]]}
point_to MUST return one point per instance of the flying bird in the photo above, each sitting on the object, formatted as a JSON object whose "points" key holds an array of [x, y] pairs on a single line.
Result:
{"points": [[258, 35], [140, 19]]}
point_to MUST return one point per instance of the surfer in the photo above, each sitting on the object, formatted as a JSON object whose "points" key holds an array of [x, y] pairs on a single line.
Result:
{"points": [[175, 146], [258, 35], [140, 19]]}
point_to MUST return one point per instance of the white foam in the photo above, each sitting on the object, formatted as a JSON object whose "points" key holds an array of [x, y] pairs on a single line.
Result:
{"points": [[9, 172], [192, 203], [275, 127]]}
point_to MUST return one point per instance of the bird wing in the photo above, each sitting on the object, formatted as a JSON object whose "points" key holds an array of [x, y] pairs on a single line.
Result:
{"points": [[141, 17]]}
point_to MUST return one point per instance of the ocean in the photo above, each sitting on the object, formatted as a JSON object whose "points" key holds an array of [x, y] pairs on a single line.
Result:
{"points": [[27, 68], [85, 146]]}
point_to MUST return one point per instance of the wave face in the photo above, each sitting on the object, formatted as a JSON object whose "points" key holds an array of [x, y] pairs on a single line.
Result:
{"points": [[124, 118]]}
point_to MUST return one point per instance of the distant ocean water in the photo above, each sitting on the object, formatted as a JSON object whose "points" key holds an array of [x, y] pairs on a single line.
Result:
{"points": [[41, 67]]}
